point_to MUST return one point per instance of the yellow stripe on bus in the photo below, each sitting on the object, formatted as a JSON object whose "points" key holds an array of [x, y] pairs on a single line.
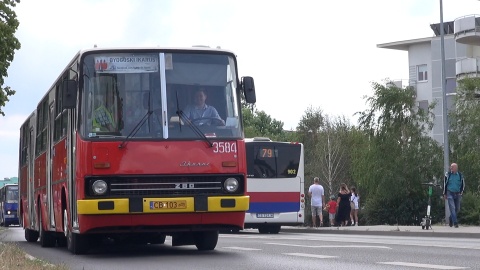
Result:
{"points": [[241, 204], [162, 205], [120, 206]]}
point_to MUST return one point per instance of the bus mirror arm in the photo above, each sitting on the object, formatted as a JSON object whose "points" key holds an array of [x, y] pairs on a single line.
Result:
{"points": [[69, 94]]}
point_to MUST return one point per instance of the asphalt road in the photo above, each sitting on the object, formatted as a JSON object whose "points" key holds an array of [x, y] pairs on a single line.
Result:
{"points": [[250, 250]]}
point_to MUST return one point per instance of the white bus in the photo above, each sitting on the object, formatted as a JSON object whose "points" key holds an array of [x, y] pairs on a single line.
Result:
{"points": [[275, 184]]}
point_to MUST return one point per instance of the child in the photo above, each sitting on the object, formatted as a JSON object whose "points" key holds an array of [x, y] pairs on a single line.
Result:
{"points": [[332, 209]]}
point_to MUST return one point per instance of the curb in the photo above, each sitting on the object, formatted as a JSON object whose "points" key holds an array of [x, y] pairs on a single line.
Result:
{"points": [[426, 233]]}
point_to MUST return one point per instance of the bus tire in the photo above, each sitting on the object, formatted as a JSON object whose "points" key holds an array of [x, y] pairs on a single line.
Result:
{"points": [[206, 240], [76, 243], [31, 236], [47, 239], [274, 229], [263, 230]]}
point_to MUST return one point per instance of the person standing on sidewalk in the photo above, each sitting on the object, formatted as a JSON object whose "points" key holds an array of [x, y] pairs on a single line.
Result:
{"points": [[332, 210], [343, 202], [453, 187], [354, 206], [317, 195]]}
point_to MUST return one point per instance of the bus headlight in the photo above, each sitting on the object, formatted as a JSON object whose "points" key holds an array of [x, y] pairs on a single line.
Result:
{"points": [[231, 185], [99, 187], [8, 212]]}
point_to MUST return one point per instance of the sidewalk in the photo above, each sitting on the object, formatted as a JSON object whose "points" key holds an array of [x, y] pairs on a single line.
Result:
{"points": [[435, 231]]}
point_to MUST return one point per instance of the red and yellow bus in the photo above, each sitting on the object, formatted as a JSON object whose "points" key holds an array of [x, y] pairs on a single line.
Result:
{"points": [[111, 152]]}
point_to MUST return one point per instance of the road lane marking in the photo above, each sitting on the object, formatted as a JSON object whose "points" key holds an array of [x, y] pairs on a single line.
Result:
{"points": [[421, 265], [310, 255], [242, 248], [380, 241], [329, 246]]}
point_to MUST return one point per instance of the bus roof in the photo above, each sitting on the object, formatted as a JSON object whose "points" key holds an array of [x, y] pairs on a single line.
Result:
{"points": [[193, 48]]}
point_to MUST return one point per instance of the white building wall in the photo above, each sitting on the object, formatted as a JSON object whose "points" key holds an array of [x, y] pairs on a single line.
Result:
{"points": [[420, 54]]}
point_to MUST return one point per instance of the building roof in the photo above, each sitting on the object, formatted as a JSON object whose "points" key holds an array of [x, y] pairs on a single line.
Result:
{"points": [[403, 45], [448, 28]]}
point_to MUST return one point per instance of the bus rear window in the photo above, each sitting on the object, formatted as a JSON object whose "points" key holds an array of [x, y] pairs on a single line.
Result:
{"points": [[272, 160]]}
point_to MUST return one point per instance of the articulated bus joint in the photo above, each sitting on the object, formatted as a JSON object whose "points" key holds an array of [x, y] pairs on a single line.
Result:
{"points": [[195, 204]]}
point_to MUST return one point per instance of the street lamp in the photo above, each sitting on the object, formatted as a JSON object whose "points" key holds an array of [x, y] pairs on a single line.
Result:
{"points": [[446, 153]]}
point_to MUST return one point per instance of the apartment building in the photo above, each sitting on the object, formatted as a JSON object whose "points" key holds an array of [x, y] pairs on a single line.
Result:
{"points": [[462, 58]]}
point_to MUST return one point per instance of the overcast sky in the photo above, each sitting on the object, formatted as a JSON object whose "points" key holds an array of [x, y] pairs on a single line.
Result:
{"points": [[300, 53]]}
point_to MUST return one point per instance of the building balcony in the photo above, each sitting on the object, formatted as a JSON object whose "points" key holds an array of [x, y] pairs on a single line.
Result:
{"points": [[467, 67], [467, 30], [403, 83]]}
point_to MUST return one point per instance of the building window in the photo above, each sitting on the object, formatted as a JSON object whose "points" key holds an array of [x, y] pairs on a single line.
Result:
{"points": [[423, 105], [422, 73]]}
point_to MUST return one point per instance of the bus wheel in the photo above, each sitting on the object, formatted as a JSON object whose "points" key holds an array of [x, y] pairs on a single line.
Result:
{"points": [[263, 229], [30, 235], [47, 239], [206, 240], [76, 243], [274, 229]]}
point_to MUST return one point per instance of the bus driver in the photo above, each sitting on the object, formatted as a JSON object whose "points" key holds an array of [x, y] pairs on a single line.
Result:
{"points": [[201, 113]]}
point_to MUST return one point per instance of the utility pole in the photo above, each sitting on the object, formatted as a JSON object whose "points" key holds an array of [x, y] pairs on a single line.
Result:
{"points": [[446, 151]]}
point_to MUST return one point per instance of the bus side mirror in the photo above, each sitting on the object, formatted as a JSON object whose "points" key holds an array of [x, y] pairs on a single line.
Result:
{"points": [[249, 89], [69, 94]]}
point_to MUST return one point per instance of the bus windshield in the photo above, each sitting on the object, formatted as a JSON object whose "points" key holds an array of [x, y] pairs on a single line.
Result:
{"points": [[273, 160], [157, 95], [12, 194]]}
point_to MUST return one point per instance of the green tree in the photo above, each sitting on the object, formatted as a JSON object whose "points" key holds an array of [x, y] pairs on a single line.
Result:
{"points": [[8, 44], [307, 130], [397, 156], [260, 124], [465, 131], [332, 152]]}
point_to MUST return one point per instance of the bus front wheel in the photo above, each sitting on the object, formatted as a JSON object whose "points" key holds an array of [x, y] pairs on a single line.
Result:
{"points": [[206, 240], [76, 243]]}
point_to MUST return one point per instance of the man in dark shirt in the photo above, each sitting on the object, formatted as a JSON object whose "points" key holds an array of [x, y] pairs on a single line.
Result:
{"points": [[453, 187]]}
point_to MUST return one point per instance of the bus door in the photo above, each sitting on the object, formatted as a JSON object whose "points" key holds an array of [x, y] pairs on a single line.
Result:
{"points": [[50, 165], [31, 181], [70, 168]]}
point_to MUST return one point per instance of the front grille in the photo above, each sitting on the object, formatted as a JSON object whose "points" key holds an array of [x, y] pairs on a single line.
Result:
{"points": [[150, 186]]}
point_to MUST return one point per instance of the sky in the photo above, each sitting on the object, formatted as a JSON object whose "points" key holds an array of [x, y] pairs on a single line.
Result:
{"points": [[300, 53]]}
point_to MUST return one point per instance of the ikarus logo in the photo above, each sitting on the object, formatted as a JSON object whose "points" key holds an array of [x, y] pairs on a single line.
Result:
{"points": [[193, 164]]}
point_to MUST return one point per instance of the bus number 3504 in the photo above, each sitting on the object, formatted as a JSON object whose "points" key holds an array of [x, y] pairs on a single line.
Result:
{"points": [[224, 147]]}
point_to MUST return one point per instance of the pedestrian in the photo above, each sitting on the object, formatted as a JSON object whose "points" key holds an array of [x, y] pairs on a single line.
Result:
{"points": [[316, 193], [332, 210], [354, 199], [343, 202], [453, 187]]}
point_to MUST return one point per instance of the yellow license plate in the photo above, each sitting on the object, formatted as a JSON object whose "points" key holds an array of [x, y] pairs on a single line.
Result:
{"points": [[159, 205]]}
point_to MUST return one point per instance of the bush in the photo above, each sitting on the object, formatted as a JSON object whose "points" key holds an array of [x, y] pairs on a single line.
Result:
{"points": [[470, 209]]}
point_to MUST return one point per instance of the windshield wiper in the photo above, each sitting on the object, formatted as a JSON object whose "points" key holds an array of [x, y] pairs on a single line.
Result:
{"points": [[135, 129], [184, 118]]}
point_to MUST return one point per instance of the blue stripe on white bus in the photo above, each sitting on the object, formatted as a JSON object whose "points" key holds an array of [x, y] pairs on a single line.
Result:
{"points": [[274, 207]]}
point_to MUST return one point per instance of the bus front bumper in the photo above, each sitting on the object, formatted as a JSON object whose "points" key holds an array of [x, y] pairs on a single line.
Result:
{"points": [[163, 205]]}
